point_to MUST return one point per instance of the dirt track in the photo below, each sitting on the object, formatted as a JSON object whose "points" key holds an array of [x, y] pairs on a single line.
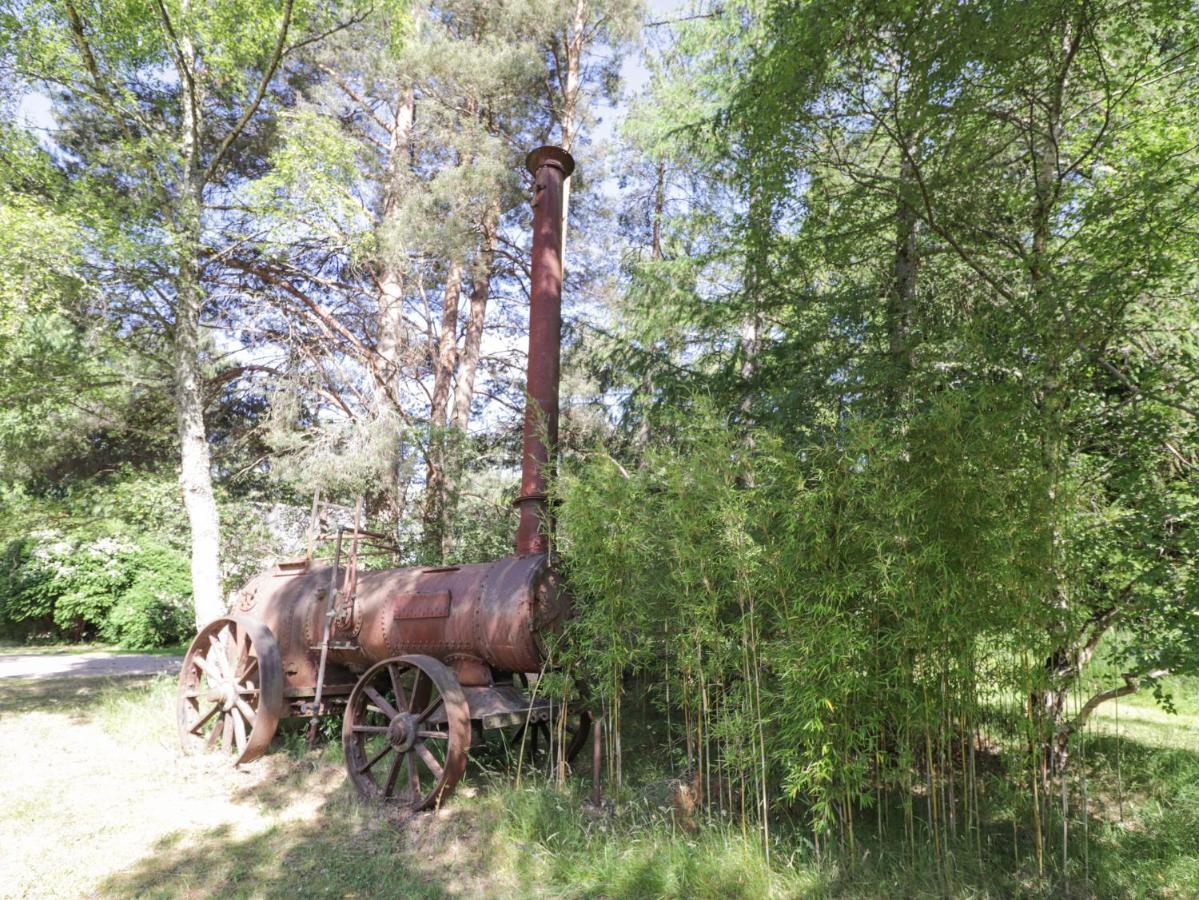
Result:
{"points": [[98, 663]]}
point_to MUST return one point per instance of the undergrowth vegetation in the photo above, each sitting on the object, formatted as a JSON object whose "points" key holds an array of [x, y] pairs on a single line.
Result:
{"points": [[858, 643], [107, 559], [290, 824]]}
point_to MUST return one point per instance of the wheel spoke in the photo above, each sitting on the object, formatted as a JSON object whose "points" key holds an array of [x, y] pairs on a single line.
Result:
{"points": [[227, 731], [246, 711], [429, 759], [204, 667], [369, 729], [217, 730], [239, 730], [384, 707], [434, 735], [374, 759], [217, 657], [430, 708], [414, 790], [195, 729], [401, 697], [415, 690], [229, 642], [392, 775], [251, 668]]}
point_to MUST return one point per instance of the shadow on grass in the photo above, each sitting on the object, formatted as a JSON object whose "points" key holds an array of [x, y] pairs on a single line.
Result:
{"points": [[1133, 832], [493, 839], [77, 696], [333, 854]]}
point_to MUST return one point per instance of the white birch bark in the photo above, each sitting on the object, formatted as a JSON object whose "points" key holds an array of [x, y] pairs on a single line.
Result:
{"points": [[195, 463]]}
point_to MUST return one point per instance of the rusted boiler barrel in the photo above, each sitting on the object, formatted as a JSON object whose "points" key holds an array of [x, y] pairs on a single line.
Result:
{"points": [[487, 614]]}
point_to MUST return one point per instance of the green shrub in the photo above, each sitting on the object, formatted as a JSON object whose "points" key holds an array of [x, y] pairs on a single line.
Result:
{"points": [[26, 593], [155, 609], [820, 624], [113, 586]]}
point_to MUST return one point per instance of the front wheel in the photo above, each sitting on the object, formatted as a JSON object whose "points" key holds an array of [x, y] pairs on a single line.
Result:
{"points": [[230, 695], [406, 732]]}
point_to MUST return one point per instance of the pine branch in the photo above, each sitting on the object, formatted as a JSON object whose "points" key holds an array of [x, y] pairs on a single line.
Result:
{"points": [[248, 113]]}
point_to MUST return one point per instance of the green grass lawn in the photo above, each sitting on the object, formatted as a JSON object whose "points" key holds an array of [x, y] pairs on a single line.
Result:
{"points": [[105, 805]]}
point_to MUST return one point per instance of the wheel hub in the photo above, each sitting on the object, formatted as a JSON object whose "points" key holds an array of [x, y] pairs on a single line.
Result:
{"points": [[223, 692], [401, 733]]}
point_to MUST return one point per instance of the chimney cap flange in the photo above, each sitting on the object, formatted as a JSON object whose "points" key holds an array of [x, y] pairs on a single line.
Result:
{"points": [[550, 155]]}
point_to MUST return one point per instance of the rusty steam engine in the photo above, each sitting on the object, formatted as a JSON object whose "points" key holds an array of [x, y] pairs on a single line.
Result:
{"points": [[418, 660]]}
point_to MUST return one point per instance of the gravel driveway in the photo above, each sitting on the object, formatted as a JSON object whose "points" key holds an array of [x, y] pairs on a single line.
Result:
{"points": [[85, 665]]}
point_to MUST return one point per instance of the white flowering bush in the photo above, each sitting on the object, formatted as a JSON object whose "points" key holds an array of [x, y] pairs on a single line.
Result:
{"points": [[111, 586]]}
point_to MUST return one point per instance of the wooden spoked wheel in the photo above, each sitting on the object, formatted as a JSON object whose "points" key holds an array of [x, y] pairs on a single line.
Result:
{"points": [[230, 696], [406, 732]]}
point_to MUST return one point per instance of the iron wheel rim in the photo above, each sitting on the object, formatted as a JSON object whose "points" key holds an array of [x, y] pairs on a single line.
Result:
{"points": [[406, 732], [230, 694]]}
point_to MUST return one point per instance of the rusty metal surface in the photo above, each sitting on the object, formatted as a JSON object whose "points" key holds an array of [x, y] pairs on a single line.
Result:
{"points": [[431, 605], [551, 166], [496, 613]]}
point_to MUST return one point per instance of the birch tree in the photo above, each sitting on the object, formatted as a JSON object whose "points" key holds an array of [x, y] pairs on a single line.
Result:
{"points": [[163, 108]]}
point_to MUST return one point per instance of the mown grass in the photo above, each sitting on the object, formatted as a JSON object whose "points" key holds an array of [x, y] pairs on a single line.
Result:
{"points": [[115, 811], [14, 648]]}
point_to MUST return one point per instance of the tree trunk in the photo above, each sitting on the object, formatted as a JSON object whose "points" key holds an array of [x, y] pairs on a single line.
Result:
{"points": [[641, 438], [751, 346], [437, 459], [480, 293], [391, 321], [756, 250], [195, 469], [195, 463], [570, 102], [1052, 394], [655, 246], [393, 330], [1060, 742], [901, 298], [467, 362], [1062, 671]]}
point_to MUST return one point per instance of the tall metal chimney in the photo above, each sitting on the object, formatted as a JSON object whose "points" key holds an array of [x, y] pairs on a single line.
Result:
{"points": [[551, 166]]}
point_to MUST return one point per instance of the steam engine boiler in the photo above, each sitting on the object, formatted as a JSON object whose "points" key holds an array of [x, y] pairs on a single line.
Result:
{"points": [[418, 660]]}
